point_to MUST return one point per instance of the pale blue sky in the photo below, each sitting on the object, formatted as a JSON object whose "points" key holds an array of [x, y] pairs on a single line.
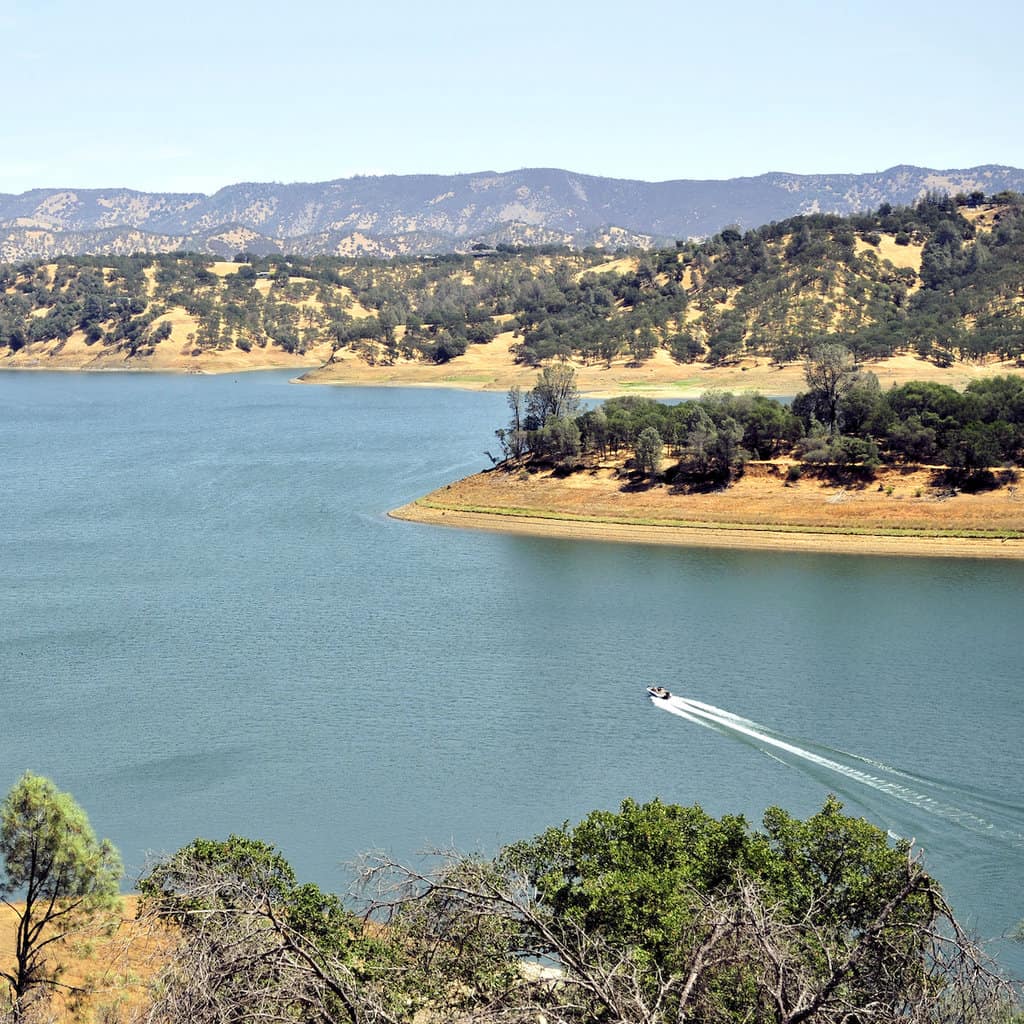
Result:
{"points": [[194, 95]]}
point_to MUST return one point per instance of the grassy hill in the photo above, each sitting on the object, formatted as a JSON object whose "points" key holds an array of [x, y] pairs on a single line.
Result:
{"points": [[941, 282]]}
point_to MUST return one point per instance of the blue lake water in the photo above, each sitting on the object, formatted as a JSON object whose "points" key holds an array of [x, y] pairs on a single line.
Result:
{"points": [[208, 624]]}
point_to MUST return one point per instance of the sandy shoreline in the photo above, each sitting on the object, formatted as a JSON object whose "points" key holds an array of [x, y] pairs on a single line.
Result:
{"points": [[714, 536], [486, 367], [489, 367]]}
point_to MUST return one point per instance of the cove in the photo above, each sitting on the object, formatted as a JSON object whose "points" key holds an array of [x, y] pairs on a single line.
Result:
{"points": [[208, 624]]}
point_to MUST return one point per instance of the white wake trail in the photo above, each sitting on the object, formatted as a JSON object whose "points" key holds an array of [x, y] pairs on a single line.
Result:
{"points": [[724, 721]]}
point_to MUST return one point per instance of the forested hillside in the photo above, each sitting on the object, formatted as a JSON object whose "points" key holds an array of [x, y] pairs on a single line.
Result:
{"points": [[943, 278], [407, 309]]}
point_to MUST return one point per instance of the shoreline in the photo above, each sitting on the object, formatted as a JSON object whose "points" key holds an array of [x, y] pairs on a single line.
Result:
{"points": [[154, 371], [713, 535], [489, 368]]}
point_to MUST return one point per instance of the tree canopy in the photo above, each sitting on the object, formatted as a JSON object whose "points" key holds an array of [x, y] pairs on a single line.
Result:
{"points": [[644, 879], [651, 914], [844, 423]]}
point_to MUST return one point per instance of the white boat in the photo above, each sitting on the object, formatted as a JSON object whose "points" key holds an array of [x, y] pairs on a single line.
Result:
{"points": [[659, 691]]}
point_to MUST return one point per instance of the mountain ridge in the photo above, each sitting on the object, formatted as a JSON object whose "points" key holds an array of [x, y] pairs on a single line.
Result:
{"points": [[393, 215]]}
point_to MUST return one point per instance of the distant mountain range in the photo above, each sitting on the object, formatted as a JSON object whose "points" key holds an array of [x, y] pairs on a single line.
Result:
{"points": [[427, 213]]}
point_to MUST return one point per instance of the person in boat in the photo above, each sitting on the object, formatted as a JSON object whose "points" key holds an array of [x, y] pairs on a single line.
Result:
{"points": [[659, 691]]}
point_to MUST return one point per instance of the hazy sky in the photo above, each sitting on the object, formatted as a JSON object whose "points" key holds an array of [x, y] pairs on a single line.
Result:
{"points": [[191, 96]]}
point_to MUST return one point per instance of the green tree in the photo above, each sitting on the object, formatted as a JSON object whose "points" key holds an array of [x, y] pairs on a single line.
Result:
{"points": [[712, 446], [63, 879], [864, 409], [638, 876], [593, 426], [647, 451], [608, 344], [559, 440], [701, 441], [728, 456], [767, 425], [684, 347], [819, 447], [830, 374], [643, 343], [658, 913]]}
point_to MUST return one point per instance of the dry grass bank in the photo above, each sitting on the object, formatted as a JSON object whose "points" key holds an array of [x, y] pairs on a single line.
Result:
{"points": [[490, 367], [114, 970], [175, 355], [901, 512]]}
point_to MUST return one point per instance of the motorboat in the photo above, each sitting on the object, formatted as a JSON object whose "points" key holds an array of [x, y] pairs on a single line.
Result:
{"points": [[659, 691]]}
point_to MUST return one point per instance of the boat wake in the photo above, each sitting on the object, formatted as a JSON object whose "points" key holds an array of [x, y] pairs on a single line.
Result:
{"points": [[969, 808]]}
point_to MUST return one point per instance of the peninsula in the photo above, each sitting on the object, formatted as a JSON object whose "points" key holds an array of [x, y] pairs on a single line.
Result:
{"points": [[899, 513], [919, 468]]}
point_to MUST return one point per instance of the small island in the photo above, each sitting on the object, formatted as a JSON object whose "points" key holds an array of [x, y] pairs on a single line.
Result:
{"points": [[919, 469]]}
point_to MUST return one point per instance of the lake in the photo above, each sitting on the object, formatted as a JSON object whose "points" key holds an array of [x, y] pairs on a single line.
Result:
{"points": [[209, 625]]}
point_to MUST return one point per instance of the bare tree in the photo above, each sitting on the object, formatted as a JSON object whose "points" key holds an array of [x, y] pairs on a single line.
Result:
{"points": [[252, 945], [554, 395]]}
